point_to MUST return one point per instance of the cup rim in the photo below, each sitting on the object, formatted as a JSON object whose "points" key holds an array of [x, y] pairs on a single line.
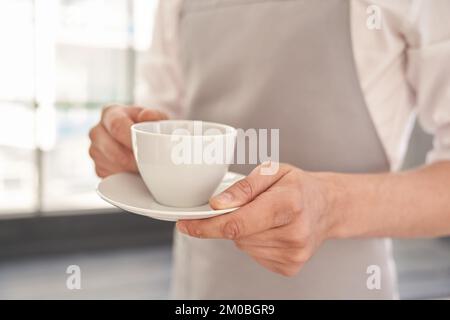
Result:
{"points": [[229, 130]]}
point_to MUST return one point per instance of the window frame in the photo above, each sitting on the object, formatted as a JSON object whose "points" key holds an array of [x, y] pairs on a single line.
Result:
{"points": [[37, 208]]}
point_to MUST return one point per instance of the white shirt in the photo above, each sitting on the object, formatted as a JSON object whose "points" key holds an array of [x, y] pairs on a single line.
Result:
{"points": [[403, 68]]}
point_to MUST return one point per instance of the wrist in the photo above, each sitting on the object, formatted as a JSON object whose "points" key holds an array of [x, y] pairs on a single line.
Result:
{"points": [[336, 195]]}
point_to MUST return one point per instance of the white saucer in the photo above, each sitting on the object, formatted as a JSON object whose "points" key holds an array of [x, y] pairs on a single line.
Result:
{"points": [[127, 191]]}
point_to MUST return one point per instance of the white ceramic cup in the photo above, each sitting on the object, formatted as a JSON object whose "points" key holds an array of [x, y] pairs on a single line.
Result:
{"points": [[183, 162]]}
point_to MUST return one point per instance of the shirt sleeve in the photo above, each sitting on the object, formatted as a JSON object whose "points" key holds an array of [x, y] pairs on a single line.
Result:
{"points": [[159, 82], [428, 71]]}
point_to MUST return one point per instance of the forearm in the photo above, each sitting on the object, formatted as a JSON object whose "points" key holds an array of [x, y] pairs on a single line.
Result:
{"points": [[408, 204]]}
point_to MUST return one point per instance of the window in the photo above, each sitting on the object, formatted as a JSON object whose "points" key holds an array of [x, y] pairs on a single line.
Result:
{"points": [[61, 61]]}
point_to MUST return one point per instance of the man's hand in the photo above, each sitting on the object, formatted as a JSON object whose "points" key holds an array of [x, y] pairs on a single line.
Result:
{"points": [[282, 220], [111, 138]]}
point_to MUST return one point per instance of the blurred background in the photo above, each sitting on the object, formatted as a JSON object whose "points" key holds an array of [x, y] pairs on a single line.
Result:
{"points": [[60, 61]]}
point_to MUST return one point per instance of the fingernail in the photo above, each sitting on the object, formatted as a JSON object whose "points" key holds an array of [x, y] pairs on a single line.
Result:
{"points": [[224, 197], [182, 228]]}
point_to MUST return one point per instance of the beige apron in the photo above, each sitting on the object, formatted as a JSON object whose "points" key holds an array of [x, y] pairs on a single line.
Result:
{"points": [[284, 64]]}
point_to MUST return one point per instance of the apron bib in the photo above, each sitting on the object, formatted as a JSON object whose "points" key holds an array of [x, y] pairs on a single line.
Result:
{"points": [[288, 65]]}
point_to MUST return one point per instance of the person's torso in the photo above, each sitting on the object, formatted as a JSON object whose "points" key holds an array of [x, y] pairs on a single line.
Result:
{"points": [[287, 65]]}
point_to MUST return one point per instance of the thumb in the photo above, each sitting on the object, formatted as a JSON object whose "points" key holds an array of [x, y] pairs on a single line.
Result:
{"points": [[151, 115], [247, 189]]}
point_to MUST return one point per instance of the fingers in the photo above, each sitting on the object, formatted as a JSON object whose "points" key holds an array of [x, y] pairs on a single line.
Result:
{"points": [[117, 120], [265, 212], [285, 261], [270, 265], [247, 189], [280, 237], [103, 167], [111, 138], [151, 115], [114, 152], [283, 255], [109, 155], [284, 269]]}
